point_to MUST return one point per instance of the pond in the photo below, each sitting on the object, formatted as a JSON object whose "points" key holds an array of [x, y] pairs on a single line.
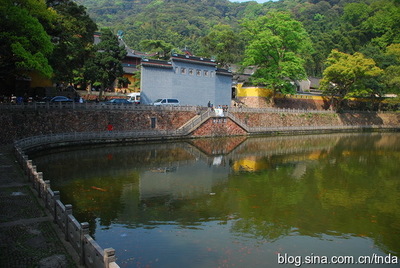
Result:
{"points": [[237, 202]]}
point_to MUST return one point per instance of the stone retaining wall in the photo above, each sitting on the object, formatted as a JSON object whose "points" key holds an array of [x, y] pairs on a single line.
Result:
{"points": [[319, 119], [21, 124], [293, 103], [218, 126]]}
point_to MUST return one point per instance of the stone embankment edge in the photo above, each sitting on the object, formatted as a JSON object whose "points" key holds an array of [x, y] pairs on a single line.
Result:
{"points": [[76, 234]]}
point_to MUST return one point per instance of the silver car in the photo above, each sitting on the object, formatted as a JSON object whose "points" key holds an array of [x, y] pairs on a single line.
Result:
{"points": [[166, 102]]}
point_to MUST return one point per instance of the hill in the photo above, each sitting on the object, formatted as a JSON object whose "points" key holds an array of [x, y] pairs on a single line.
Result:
{"points": [[366, 26], [179, 22]]}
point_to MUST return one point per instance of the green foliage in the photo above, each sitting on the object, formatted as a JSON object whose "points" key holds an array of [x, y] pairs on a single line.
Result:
{"points": [[24, 44], [223, 43], [73, 34], [347, 25], [278, 46], [391, 76], [50, 37], [162, 48], [349, 74], [55, 37], [105, 66]]}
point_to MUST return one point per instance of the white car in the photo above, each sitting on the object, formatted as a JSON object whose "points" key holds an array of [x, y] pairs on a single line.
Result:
{"points": [[166, 102]]}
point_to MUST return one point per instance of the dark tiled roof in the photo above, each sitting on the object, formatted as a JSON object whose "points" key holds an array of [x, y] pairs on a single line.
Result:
{"points": [[224, 72], [192, 59], [156, 63], [129, 70]]}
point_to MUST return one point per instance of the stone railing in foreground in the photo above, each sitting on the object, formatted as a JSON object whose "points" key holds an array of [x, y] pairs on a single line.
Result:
{"points": [[77, 234]]}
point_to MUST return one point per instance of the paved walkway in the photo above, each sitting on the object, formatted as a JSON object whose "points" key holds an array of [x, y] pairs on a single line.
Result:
{"points": [[28, 236]]}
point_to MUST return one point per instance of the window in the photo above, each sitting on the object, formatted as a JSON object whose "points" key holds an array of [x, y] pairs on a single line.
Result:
{"points": [[183, 70], [153, 122], [190, 71], [205, 73], [173, 101], [198, 72]]}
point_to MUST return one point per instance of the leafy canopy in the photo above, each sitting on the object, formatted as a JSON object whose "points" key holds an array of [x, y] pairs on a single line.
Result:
{"points": [[223, 43], [348, 74], [278, 46], [24, 44], [104, 67], [392, 73]]}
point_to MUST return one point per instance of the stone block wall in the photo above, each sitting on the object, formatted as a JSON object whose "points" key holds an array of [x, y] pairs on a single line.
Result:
{"points": [[21, 124], [218, 126], [287, 102], [288, 119], [318, 119]]}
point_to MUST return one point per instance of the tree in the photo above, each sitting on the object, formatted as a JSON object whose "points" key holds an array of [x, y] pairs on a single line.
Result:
{"points": [[392, 72], [384, 24], [73, 32], [347, 74], [162, 48], [222, 42], [278, 46], [24, 44], [105, 66]]}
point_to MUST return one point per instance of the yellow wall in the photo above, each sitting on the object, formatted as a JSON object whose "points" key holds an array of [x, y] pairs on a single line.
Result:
{"points": [[250, 164], [39, 80], [252, 91], [131, 86], [267, 93]]}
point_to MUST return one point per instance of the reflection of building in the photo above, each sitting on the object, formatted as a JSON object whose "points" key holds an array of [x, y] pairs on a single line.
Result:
{"points": [[250, 164], [185, 182], [191, 80]]}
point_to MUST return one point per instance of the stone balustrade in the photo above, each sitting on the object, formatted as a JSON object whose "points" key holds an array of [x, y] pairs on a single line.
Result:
{"points": [[77, 234]]}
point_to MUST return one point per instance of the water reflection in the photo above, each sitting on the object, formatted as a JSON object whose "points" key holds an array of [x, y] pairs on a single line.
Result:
{"points": [[235, 201]]}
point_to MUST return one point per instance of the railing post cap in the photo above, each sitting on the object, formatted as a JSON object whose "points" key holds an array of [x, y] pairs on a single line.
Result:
{"points": [[109, 252]]}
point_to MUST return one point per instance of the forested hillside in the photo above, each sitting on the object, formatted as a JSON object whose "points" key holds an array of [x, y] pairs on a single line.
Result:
{"points": [[354, 45], [366, 26]]}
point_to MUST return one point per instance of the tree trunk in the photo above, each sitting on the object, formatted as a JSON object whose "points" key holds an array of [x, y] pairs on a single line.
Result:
{"points": [[101, 92]]}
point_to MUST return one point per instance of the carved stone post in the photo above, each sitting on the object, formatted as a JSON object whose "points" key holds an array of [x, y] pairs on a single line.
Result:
{"points": [[68, 211], [109, 256], [84, 231], [56, 197]]}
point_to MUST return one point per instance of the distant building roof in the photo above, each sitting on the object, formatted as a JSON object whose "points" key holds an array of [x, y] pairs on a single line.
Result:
{"points": [[157, 63], [314, 82], [185, 58], [191, 59], [224, 72]]}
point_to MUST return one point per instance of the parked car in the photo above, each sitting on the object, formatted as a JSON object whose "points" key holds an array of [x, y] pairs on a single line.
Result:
{"points": [[43, 100], [117, 102], [134, 97], [166, 102], [61, 99]]}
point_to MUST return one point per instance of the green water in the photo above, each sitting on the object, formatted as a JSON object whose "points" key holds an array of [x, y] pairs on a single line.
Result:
{"points": [[237, 202]]}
